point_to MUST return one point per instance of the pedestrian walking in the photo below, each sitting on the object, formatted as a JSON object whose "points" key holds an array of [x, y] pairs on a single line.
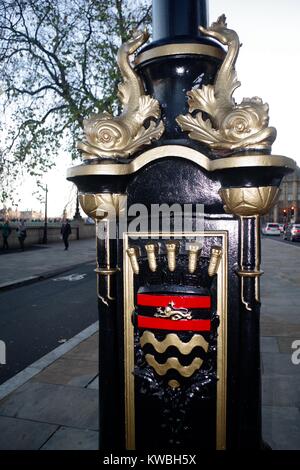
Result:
{"points": [[6, 231], [66, 232], [21, 233]]}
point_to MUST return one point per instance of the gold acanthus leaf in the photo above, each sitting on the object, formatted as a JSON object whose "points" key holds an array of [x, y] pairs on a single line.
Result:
{"points": [[228, 125], [121, 136]]}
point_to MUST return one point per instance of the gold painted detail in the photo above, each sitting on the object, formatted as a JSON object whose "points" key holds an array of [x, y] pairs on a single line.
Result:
{"points": [[123, 135], [176, 49], [222, 305], [173, 363], [172, 248], [106, 271], [179, 151], [174, 384], [215, 259], [229, 125], [173, 313], [152, 250], [133, 253], [173, 340], [194, 250], [255, 274], [249, 201], [100, 206]]}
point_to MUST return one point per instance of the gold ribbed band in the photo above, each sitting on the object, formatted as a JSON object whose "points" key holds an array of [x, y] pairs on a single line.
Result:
{"points": [[180, 49], [250, 273]]}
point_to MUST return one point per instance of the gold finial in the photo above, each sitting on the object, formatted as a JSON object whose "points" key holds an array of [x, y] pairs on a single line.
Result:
{"points": [[152, 250], [215, 259], [194, 250], [133, 253], [172, 247]]}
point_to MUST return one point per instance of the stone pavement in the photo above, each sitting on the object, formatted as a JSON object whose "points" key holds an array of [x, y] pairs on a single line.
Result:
{"points": [[28, 266], [57, 409], [280, 327]]}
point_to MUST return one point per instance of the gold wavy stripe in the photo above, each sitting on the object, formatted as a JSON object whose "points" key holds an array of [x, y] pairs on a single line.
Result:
{"points": [[173, 340], [173, 363]]}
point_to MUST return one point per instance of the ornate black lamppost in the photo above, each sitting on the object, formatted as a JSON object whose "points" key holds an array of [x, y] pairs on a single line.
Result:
{"points": [[179, 318], [45, 238], [77, 215]]}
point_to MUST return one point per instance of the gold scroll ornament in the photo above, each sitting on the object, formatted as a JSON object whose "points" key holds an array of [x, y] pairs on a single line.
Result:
{"points": [[121, 136], [226, 125]]}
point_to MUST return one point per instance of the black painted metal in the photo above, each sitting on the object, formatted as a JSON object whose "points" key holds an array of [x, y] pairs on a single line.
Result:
{"points": [[168, 79], [109, 391], [173, 18], [176, 180], [249, 382]]}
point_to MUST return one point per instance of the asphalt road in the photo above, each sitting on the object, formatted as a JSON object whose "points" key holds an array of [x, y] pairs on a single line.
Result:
{"points": [[34, 319], [280, 239]]}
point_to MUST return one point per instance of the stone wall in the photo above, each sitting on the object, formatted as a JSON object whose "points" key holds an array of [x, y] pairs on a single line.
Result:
{"points": [[35, 233]]}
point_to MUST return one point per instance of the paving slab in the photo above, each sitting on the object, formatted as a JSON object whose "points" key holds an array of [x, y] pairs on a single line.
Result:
{"points": [[73, 439], [285, 344], [69, 372], [277, 363], [271, 326], [268, 344], [34, 369], [41, 262], [281, 428], [22, 434], [87, 350], [54, 404], [281, 390], [94, 385]]}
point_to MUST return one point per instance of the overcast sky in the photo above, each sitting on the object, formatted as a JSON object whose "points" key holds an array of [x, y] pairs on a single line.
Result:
{"points": [[268, 66]]}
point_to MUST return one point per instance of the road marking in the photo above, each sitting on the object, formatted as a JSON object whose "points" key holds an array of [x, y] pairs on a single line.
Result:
{"points": [[71, 277]]}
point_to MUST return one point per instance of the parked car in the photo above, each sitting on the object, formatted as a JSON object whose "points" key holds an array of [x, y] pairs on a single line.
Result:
{"points": [[271, 229], [292, 232]]}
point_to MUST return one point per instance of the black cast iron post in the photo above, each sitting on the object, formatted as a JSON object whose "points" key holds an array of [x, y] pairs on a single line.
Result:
{"points": [[179, 320]]}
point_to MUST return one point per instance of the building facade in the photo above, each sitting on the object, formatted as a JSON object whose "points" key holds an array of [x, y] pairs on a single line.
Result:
{"points": [[287, 208]]}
